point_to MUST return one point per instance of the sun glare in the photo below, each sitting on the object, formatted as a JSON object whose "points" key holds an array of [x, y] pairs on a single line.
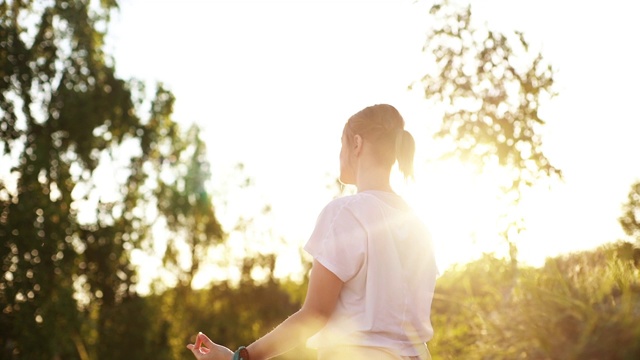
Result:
{"points": [[460, 209]]}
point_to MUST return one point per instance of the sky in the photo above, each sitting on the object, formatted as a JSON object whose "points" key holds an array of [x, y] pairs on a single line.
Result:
{"points": [[271, 83]]}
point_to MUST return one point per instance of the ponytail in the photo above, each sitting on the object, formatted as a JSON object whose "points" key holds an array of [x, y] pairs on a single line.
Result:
{"points": [[405, 151]]}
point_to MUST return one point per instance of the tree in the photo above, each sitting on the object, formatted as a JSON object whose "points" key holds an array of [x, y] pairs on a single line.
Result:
{"points": [[490, 86], [66, 231], [57, 89], [630, 219], [189, 205]]}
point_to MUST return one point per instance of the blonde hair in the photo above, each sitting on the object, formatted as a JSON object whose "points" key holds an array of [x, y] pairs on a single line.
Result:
{"points": [[383, 126]]}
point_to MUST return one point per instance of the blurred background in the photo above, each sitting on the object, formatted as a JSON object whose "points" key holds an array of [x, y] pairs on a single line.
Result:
{"points": [[162, 164]]}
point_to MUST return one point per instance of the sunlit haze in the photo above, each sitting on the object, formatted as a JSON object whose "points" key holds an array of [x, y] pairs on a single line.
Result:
{"points": [[272, 83]]}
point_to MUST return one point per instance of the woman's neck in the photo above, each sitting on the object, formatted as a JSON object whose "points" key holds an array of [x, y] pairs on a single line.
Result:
{"points": [[373, 179]]}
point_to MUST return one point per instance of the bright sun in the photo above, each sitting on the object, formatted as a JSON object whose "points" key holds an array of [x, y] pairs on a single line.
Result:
{"points": [[459, 207]]}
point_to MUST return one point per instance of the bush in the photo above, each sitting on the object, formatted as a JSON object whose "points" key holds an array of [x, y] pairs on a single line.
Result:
{"points": [[578, 306]]}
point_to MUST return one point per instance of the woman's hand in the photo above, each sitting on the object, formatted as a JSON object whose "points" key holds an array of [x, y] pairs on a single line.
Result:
{"points": [[205, 349]]}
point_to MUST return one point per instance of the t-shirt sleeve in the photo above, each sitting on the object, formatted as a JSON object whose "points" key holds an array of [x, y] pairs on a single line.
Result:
{"points": [[338, 241]]}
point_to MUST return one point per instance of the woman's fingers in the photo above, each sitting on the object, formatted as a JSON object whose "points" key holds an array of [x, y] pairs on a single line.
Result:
{"points": [[197, 348], [198, 352], [204, 346], [198, 343], [204, 339]]}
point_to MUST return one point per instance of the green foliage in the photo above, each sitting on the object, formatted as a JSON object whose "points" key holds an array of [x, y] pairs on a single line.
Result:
{"points": [[67, 288], [185, 203], [56, 89], [135, 331], [490, 86], [465, 298], [230, 314], [578, 306], [67, 285], [630, 219]]}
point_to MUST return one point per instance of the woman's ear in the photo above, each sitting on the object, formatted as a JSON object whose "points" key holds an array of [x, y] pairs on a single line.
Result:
{"points": [[358, 142]]}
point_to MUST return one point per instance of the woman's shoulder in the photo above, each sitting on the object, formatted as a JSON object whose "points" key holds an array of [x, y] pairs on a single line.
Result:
{"points": [[348, 201], [344, 204], [338, 208], [338, 203], [367, 198]]}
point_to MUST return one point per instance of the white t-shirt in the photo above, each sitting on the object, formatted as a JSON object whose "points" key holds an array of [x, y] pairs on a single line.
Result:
{"points": [[383, 253]]}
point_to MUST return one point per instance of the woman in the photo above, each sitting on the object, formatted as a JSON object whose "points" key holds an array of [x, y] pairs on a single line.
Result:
{"points": [[373, 275]]}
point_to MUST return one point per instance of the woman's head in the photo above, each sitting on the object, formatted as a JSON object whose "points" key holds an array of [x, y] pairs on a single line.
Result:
{"points": [[382, 128]]}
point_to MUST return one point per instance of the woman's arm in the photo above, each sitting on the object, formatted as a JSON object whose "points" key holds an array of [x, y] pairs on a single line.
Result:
{"points": [[322, 296]]}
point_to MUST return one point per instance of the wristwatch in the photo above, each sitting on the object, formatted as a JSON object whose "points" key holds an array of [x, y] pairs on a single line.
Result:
{"points": [[241, 354]]}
